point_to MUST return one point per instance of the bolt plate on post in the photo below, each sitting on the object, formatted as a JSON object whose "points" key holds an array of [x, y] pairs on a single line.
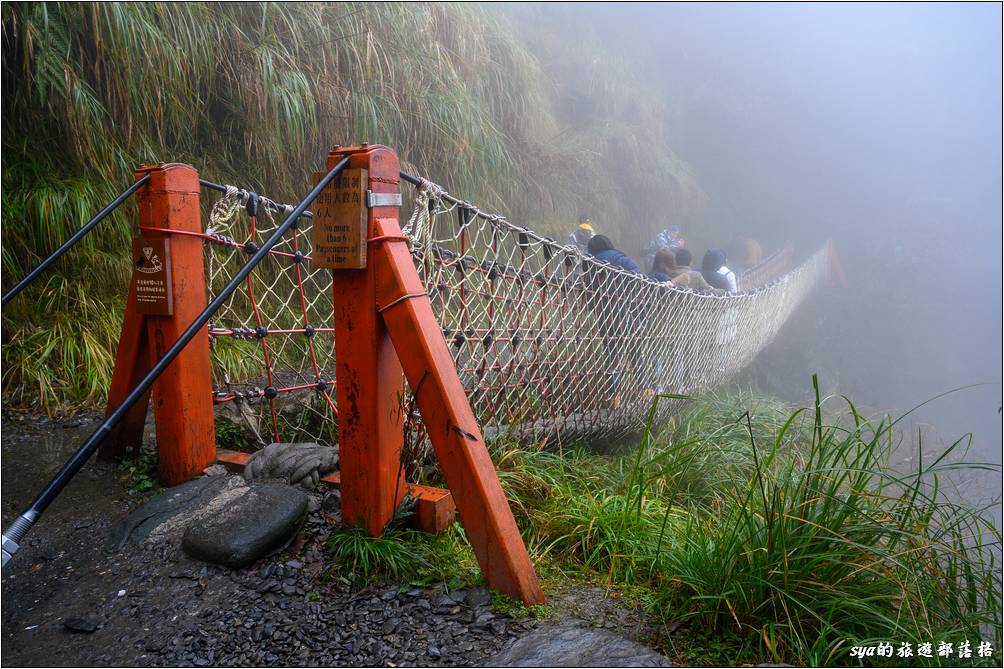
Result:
{"points": [[382, 199]]}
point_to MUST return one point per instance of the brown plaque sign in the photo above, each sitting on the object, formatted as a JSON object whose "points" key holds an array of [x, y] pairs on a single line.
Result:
{"points": [[340, 222], [151, 275]]}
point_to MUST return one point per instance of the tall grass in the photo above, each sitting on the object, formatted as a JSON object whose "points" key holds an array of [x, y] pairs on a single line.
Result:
{"points": [[255, 93], [825, 547], [787, 532]]}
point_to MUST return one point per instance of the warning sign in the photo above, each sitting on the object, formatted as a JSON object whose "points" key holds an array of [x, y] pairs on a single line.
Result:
{"points": [[340, 225], [151, 275]]}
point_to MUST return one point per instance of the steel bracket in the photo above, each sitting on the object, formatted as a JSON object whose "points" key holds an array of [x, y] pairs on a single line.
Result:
{"points": [[382, 199]]}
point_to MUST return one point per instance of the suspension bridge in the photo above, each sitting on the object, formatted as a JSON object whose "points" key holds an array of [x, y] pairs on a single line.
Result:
{"points": [[500, 331], [548, 343]]}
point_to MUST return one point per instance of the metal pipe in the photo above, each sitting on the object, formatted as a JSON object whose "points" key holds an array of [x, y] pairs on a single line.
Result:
{"points": [[77, 236], [13, 535], [268, 201], [212, 186]]}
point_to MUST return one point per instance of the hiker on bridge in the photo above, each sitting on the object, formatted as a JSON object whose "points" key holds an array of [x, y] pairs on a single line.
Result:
{"points": [[619, 353], [601, 248], [681, 273], [663, 267], [582, 234], [669, 238], [667, 264], [716, 272]]}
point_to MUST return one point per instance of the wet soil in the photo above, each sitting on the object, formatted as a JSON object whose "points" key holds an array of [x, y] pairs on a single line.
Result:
{"points": [[66, 601]]}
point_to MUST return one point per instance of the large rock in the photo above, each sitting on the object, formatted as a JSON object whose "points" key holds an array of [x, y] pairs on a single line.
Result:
{"points": [[570, 645], [220, 519], [165, 516], [257, 522]]}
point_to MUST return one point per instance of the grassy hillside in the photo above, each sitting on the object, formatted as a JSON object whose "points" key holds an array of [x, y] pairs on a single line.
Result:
{"points": [[750, 533], [254, 94]]}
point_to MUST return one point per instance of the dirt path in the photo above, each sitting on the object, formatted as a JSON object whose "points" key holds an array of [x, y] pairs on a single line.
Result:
{"points": [[157, 607]]}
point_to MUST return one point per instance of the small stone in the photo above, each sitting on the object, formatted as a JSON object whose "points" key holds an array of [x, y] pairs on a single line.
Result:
{"points": [[121, 593], [81, 625], [483, 619], [478, 597], [332, 501]]}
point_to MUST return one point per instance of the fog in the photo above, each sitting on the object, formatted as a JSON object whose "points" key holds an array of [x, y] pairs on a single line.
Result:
{"points": [[877, 126]]}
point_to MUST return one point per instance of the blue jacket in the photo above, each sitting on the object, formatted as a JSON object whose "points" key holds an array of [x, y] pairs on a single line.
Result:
{"points": [[618, 259]]}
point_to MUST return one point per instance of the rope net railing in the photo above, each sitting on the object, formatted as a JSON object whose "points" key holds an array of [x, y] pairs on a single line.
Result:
{"points": [[272, 343], [769, 269], [548, 343]]}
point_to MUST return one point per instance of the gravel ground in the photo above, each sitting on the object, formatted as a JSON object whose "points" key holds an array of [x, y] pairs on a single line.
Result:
{"points": [[67, 602]]}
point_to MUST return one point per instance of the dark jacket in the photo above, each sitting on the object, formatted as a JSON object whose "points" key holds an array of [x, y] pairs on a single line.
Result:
{"points": [[618, 259], [712, 262]]}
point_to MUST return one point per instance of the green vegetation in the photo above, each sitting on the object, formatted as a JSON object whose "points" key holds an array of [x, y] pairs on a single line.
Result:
{"points": [[254, 94], [232, 436], [404, 555], [767, 535], [139, 472]]}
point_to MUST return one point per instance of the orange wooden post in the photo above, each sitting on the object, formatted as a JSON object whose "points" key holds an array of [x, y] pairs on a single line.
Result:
{"points": [[390, 297], [182, 396], [370, 384]]}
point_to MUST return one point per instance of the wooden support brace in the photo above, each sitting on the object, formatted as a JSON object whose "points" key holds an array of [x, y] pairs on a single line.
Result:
{"points": [[388, 299]]}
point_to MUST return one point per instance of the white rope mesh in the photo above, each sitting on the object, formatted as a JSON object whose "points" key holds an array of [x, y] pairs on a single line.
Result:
{"points": [[272, 342], [547, 342], [768, 269]]}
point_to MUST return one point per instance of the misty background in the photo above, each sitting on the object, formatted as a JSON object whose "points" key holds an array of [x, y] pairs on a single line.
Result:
{"points": [[877, 126]]}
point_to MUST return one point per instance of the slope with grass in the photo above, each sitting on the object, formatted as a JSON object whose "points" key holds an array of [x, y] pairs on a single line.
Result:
{"points": [[254, 94], [764, 534]]}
